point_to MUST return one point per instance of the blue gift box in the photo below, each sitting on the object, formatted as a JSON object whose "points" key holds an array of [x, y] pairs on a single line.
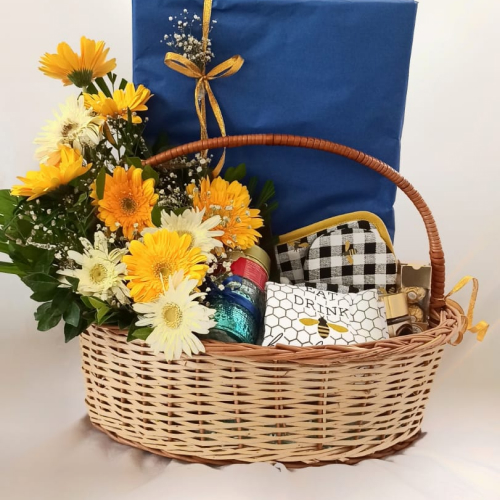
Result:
{"points": [[332, 69]]}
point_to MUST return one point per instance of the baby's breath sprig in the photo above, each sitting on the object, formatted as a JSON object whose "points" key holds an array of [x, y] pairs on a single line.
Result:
{"points": [[187, 39], [174, 180]]}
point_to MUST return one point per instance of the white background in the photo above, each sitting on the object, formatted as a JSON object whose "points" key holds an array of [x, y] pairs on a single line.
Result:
{"points": [[450, 151]]}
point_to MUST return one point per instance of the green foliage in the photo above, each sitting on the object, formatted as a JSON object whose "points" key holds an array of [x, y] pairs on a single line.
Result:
{"points": [[161, 144], [123, 84], [100, 183], [235, 173], [101, 83], [138, 333], [9, 268], [156, 215], [40, 282], [47, 316], [149, 172], [133, 161]]}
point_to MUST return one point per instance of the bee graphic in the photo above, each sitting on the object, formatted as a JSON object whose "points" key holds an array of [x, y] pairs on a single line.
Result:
{"points": [[297, 245], [323, 326], [349, 252]]}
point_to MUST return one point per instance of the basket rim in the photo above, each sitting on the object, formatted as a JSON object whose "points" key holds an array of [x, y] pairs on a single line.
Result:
{"points": [[451, 323]]}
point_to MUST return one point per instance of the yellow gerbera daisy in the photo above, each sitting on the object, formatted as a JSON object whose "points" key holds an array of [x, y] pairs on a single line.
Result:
{"points": [[152, 263], [81, 69], [231, 202], [123, 100], [50, 177], [127, 201]]}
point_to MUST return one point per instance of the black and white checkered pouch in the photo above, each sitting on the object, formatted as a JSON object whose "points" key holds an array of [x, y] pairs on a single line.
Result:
{"points": [[355, 254]]}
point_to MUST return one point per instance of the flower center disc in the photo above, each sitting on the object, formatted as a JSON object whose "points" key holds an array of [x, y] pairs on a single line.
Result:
{"points": [[128, 205], [162, 270], [172, 315], [98, 274], [67, 129]]}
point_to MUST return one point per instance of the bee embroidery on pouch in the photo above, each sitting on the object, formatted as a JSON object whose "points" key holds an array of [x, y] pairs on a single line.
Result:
{"points": [[349, 252], [323, 326], [297, 245]]}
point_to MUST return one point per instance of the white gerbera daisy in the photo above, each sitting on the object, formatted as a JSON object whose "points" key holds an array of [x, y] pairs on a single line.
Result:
{"points": [[191, 222], [75, 126], [102, 272], [175, 316]]}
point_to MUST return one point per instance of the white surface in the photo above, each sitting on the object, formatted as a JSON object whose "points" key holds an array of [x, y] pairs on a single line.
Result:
{"points": [[48, 449]]}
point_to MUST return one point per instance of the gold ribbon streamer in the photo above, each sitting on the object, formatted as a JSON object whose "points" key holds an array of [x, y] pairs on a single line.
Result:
{"points": [[480, 328], [186, 67]]}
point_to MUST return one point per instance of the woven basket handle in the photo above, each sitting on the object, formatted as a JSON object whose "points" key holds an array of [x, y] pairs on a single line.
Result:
{"points": [[436, 250]]}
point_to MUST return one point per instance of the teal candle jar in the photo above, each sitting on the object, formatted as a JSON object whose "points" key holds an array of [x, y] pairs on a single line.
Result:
{"points": [[240, 306]]}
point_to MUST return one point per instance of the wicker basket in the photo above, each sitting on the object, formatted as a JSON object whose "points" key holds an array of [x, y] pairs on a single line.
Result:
{"points": [[240, 403]]}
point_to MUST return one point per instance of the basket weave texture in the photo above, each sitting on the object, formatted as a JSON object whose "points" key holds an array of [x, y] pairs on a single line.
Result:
{"points": [[300, 406]]}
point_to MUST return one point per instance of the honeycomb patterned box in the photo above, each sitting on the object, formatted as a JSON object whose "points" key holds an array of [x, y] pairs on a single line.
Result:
{"points": [[302, 316]]}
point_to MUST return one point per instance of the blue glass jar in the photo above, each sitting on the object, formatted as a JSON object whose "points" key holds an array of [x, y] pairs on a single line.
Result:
{"points": [[240, 306]]}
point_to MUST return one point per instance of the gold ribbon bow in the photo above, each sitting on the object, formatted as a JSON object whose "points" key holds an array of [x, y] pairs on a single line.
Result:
{"points": [[482, 327], [186, 67]]}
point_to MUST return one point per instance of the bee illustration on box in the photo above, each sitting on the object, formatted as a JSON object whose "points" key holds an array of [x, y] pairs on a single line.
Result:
{"points": [[297, 245], [349, 252], [323, 326]]}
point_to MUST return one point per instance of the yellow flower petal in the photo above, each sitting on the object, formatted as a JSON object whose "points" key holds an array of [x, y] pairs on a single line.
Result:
{"points": [[151, 263], [127, 200], [69, 67], [123, 100], [50, 177], [231, 202]]}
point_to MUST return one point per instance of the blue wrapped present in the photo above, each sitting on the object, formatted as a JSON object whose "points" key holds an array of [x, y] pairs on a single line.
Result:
{"points": [[332, 69]]}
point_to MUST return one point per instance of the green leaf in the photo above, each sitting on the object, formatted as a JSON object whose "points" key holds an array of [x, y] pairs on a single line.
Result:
{"points": [[42, 310], [268, 209], [134, 161], [139, 333], [101, 314], [156, 215], [131, 329], [112, 77], [86, 301], [91, 89], [74, 282], [70, 331], [10, 268], [8, 204], [252, 185], [101, 83], [123, 84], [24, 227], [149, 172], [47, 317], [97, 303], [4, 247], [44, 296], [40, 282], [100, 182], [62, 299], [266, 194], [129, 117], [72, 314], [44, 263], [235, 173]]}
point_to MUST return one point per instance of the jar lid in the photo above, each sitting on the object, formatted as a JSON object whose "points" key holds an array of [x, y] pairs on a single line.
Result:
{"points": [[396, 305], [254, 253]]}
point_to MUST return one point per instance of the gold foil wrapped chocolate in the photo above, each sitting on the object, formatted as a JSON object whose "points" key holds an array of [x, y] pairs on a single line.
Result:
{"points": [[414, 293]]}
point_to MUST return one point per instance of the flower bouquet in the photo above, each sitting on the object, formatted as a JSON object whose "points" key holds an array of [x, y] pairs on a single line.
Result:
{"points": [[100, 238]]}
